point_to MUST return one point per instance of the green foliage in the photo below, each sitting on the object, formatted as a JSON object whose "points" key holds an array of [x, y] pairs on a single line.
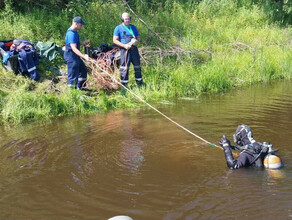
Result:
{"points": [[33, 26], [101, 20], [278, 11], [49, 5], [247, 47], [22, 106], [216, 8]]}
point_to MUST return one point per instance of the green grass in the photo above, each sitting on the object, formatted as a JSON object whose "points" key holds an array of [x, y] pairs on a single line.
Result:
{"points": [[246, 49]]}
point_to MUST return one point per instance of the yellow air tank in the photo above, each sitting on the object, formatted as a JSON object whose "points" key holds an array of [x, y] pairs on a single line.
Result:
{"points": [[272, 162]]}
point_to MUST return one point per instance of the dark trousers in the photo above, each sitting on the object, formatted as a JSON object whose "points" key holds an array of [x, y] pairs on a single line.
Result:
{"points": [[127, 57], [77, 71]]}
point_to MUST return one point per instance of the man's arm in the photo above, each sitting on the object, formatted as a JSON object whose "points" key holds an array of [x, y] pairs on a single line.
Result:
{"points": [[76, 51], [117, 42]]}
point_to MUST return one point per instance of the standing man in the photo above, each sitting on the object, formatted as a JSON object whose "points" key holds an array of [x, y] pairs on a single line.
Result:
{"points": [[126, 36], [77, 71]]}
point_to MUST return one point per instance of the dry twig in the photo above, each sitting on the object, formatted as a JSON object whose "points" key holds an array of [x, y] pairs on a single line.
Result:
{"points": [[177, 51], [153, 53]]}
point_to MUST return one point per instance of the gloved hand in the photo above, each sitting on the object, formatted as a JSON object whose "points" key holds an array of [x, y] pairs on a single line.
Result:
{"points": [[127, 46], [133, 42], [224, 142], [86, 57]]}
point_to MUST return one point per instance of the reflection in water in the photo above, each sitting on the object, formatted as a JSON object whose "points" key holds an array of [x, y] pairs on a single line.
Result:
{"points": [[136, 163], [76, 153], [131, 146], [24, 154], [274, 176], [77, 160], [131, 153], [30, 149]]}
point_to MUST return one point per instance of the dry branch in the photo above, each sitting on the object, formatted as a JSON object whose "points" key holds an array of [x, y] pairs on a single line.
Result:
{"points": [[149, 54], [242, 46], [152, 52], [101, 80]]}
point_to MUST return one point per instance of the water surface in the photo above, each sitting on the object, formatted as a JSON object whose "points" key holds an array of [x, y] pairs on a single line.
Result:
{"points": [[136, 163]]}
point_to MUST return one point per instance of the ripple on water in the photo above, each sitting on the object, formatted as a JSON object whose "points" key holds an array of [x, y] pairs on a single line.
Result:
{"points": [[138, 164]]}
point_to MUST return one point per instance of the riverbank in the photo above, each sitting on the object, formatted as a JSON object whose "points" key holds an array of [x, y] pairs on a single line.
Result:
{"points": [[245, 48]]}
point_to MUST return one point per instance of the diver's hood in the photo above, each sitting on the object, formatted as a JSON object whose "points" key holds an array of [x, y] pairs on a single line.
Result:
{"points": [[243, 135]]}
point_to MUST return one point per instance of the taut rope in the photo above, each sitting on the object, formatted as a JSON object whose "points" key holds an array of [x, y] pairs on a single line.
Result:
{"points": [[94, 63]]}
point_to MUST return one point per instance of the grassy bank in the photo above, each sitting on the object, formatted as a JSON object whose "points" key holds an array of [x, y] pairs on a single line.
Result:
{"points": [[245, 47]]}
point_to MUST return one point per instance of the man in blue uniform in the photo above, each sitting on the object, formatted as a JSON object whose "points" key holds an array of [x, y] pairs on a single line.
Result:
{"points": [[126, 36], [77, 71]]}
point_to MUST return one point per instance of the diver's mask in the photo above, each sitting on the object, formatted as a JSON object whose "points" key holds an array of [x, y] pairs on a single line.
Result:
{"points": [[243, 132]]}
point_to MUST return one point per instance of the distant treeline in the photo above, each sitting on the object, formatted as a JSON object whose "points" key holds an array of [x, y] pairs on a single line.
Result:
{"points": [[279, 11]]}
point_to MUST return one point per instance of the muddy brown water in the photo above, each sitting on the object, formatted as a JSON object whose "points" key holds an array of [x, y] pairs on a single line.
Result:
{"points": [[136, 163]]}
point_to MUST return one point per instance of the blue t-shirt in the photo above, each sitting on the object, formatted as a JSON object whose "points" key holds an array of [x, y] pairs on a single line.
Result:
{"points": [[72, 37], [121, 31]]}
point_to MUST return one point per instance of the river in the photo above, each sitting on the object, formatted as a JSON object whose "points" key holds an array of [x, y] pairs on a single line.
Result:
{"points": [[137, 163]]}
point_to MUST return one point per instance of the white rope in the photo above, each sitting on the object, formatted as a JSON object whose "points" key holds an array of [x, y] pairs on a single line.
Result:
{"points": [[142, 100]]}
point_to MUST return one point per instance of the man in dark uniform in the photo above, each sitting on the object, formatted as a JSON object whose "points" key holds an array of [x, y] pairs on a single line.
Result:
{"points": [[126, 36], [77, 71], [252, 152]]}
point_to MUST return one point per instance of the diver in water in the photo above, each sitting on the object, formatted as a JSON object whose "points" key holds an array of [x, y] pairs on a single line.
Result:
{"points": [[252, 153]]}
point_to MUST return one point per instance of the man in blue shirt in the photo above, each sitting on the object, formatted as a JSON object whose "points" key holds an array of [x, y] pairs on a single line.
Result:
{"points": [[126, 36], [77, 71]]}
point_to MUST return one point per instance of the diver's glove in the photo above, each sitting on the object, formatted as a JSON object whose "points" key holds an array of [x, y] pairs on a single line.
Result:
{"points": [[224, 142]]}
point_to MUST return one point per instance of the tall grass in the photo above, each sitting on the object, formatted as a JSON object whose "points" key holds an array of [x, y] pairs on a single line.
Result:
{"points": [[20, 107], [246, 49]]}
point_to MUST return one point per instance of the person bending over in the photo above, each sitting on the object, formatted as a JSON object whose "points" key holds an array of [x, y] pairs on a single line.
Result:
{"points": [[77, 71]]}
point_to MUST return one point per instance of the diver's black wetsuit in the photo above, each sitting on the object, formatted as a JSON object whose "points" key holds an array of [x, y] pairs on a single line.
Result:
{"points": [[252, 152]]}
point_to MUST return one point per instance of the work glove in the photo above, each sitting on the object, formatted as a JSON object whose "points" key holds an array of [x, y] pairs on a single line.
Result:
{"points": [[86, 57], [127, 46], [224, 142], [133, 42]]}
